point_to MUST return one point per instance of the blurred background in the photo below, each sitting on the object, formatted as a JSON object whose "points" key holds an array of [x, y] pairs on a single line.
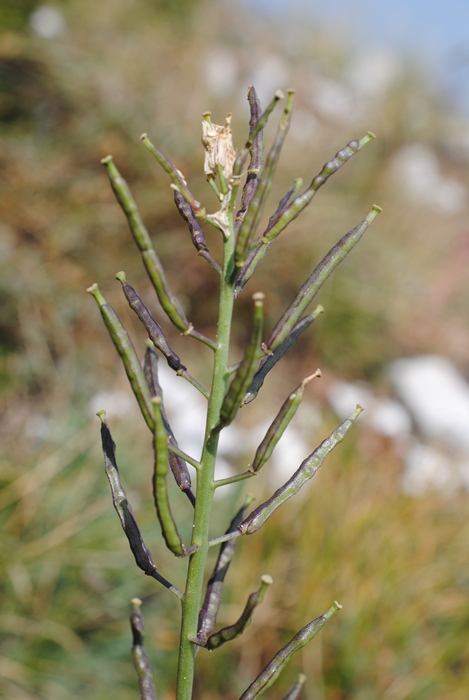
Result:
{"points": [[383, 529]]}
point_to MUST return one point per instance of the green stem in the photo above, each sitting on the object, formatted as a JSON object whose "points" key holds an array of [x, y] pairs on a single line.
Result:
{"points": [[205, 483]]}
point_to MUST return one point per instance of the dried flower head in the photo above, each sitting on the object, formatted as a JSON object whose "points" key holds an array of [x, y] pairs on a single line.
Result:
{"points": [[219, 149]]}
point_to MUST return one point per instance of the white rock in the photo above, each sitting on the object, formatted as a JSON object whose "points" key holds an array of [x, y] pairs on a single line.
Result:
{"points": [[47, 21], [437, 396]]}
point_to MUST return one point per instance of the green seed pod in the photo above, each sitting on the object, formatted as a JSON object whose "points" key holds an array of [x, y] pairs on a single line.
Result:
{"points": [[246, 369], [304, 199], [154, 330], [227, 634], [127, 353], [177, 179], [295, 690], [160, 486], [315, 281], [177, 464], [254, 213], [306, 471], [124, 510], [149, 257], [279, 424], [273, 669], [269, 361]]}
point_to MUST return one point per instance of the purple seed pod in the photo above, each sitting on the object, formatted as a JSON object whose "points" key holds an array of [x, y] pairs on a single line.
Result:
{"points": [[256, 164], [177, 464], [209, 610], [154, 330], [254, 131], [315, 281], [195, 229], [273, 669], [175, 175], [139, 655], [227, 634], [124, 510], [304, 473], [269, 361], [254, 213]]}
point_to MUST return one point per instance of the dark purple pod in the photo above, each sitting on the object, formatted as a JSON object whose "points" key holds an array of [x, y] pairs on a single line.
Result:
{"points": [[177, 464], [269, 361], [141, 553], [256, 164], [154, 330], [209, 610]]}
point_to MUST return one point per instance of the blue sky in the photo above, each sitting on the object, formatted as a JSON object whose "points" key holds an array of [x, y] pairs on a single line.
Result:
{"points": [[436, 32]]}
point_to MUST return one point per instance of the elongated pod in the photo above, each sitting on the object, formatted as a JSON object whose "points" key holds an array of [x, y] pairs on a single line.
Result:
{"points": [[274, 668], [227, 634], [127, 353], [280, 424], [209, 610], [254, 213], [141, 553], [154, 330], [270, 360], [177, 464], [139, 655], [160, 487], [247, 368], [315, 281], [306, 471], [256, 164]]}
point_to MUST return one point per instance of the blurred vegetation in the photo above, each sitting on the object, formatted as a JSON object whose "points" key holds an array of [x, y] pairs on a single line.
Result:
{"points": [[396, 564]]}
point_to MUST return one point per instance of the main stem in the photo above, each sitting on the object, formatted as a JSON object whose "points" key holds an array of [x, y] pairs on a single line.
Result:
{"points": [[191, 601]]}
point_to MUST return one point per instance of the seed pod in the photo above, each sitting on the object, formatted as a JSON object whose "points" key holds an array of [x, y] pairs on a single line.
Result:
{"points": [[149, 257], [139, 656], [154, 330], [227, 634], [269, 361], [254, 213], [273, 669], [209, 610], [256, 152], [124, 510], [126, 350], [246, 369], [306, 471], [177, 464], [195, 229], [175, 175], [295, 690], [315, 281], [160, 486], [254, 131], [262, 245], [279, 424], [304, 199]]}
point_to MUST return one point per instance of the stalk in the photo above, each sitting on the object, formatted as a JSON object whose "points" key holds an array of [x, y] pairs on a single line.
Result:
{"points": [[206, 484]]}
